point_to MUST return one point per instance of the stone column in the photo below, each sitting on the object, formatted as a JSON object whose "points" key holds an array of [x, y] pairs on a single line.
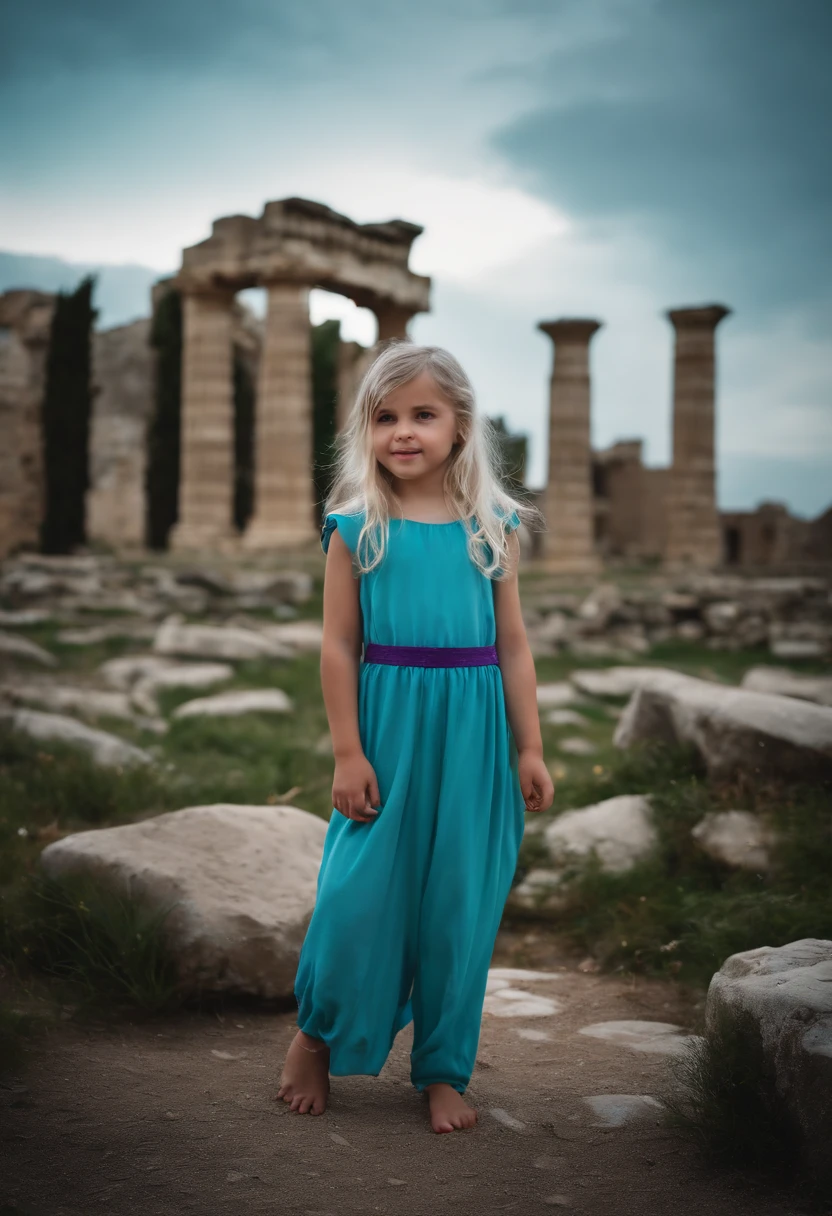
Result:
{"points": [[354, 361], [393, 320], [206, 477], [568, 543], [693, 532], [283, 487]]}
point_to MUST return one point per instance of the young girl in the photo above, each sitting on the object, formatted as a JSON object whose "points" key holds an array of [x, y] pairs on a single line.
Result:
{"points": [[435, 734]]}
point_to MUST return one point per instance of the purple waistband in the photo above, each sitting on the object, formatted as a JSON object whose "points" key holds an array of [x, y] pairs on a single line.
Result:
{"points": [[431, 656]]}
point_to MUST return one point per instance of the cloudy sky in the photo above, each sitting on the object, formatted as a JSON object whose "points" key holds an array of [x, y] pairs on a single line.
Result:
{"points": [[603, 158]]}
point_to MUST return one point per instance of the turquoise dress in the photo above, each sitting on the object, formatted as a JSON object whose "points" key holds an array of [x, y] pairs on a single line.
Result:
{"points": [[408, 905]]}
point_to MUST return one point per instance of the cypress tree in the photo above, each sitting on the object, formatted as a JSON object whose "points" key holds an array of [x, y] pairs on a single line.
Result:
{"points": [[163, 433], [326, 340], [67, 405], [244, 432]]}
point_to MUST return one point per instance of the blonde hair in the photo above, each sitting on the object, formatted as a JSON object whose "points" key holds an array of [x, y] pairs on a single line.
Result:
{"points": [[471, 487]]}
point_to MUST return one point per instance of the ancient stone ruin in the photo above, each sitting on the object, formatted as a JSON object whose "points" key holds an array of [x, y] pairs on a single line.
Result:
{"points": [[294, 246], [600, 505], [608, 504]]}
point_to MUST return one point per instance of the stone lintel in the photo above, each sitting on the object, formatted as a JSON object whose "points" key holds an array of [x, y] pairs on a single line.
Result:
{"points": [[708, 316], [570, 329], [303, 242]]}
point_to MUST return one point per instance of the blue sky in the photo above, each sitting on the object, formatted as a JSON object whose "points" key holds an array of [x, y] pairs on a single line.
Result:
{"points": [[608, 158]]}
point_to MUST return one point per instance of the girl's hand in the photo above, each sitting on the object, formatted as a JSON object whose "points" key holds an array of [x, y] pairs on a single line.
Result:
{"points": [[355, 788], [535, 781]]}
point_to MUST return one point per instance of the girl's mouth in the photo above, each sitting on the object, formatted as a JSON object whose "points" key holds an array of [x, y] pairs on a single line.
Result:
{"points": [[406, 455]]}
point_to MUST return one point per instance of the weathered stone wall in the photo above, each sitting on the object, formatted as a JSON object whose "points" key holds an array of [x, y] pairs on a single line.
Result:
{"points": [[25, 320], [767, 537], [634, 502]]}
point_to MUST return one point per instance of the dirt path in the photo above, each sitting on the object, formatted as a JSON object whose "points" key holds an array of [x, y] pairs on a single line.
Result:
{"points": [[177, 1116]]}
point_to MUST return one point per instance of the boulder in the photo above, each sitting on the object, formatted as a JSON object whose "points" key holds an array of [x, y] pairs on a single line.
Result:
{"points": [[215, 642], [787, 991], [536, 888], [241, 879], [600, 606], [785, 683], [722, 616], [735, 838], [107, 750], [244, 701], [732, 729], [620, 830]]}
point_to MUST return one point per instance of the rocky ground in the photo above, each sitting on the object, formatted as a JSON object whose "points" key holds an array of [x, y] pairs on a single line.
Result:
{"points": [[199, 684], [178, 1115]]}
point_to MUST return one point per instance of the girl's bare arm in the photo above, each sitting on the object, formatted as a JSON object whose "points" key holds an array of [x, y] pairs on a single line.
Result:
{"points": [[516, 660], [341, 648]]}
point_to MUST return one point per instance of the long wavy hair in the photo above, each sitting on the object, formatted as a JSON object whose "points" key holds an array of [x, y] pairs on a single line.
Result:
{"points": [[472, 488]]}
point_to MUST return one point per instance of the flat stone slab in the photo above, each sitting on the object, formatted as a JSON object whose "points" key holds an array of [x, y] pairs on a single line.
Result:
{"points": [[564, 717], [106, 749], [504, 1000], [497, 976], [577, 746], [300, 635], [231, 704], [614, 1110], [14, 647], [560, 692], [533, 1035], [516, 1003], [661, 1038], [173, 637], [145, 690]]}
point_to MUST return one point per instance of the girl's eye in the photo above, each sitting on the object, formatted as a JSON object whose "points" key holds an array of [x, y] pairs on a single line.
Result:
{"points": [[422, 413]]}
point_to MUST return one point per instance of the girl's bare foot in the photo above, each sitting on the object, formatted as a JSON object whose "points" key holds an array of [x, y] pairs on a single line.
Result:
{"points": [[448, 1108], [304, 1082]]}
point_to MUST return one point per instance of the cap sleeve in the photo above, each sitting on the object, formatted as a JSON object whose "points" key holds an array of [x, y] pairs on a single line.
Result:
{"points": [[348, 525], [512, 521]]}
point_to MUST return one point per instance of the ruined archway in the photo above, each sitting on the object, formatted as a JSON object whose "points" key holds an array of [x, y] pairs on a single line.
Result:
{"points": [[296, 245]]}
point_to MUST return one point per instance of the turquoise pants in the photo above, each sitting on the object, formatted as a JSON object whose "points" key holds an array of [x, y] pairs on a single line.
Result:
{"points": [[408, 906]]}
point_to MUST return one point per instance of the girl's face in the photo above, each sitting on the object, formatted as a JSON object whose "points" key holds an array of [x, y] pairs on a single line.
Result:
{"points": [[414, 429]]}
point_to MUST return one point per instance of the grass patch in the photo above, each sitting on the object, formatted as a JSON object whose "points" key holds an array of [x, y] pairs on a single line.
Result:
{"points": [[726, 1101], [16, 1029], [679, 913], [108, 946]]}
